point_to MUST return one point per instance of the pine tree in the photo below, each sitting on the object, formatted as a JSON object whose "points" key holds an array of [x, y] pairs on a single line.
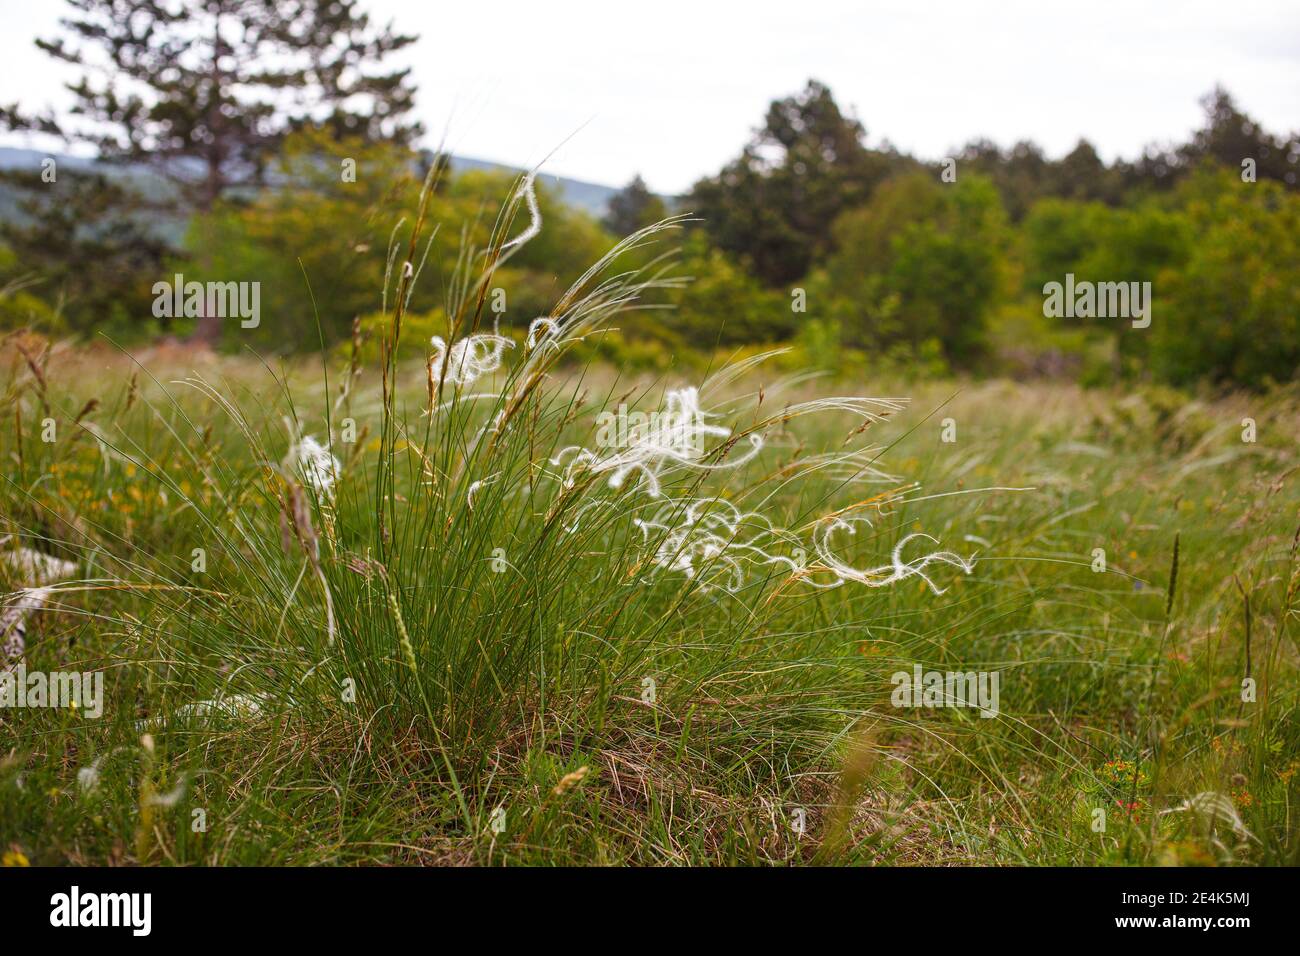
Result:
{"points": [[775, 204], [633, 207], [203, 92]]}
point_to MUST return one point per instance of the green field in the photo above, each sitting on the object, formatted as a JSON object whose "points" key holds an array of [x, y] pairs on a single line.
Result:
{"points": [[473, 648]]}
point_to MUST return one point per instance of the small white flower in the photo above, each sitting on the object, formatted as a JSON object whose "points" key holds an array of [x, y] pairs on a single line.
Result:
{"points": [[88, 778]]}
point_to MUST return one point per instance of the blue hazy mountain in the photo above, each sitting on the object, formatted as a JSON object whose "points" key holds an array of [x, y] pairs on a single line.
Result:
{"points": [[591, 198]]}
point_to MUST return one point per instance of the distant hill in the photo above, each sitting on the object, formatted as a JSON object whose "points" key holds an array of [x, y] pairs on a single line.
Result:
{"points": [[591, 198], [170, 228], [11, 157]]}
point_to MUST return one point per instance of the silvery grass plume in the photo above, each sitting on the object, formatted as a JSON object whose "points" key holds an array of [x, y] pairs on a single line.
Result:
{"points": [[515, 437], [315, 464], [675, 436], [896, 570], [719, 545], [714, 543], [470, 358], [88, 777]]}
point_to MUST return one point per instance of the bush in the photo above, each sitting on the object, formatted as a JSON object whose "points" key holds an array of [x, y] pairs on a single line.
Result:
{"points": [[922, 262], [723, 304], [1232, 314]]}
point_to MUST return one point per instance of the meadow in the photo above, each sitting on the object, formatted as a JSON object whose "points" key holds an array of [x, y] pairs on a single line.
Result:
{"points": [[407, 613]]}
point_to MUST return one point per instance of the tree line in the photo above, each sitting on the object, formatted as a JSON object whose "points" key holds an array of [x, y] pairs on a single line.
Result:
{"points": [[272, 140]]}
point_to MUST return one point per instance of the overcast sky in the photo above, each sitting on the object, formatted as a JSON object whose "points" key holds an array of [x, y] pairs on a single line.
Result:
{"points": [[672, 89]]}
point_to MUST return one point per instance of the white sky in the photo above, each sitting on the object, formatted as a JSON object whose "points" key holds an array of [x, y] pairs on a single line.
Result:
{"points": [[672, 89]]}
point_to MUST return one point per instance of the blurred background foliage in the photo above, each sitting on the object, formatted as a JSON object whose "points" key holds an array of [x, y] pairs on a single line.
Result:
{"points": [[856, 255]]}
